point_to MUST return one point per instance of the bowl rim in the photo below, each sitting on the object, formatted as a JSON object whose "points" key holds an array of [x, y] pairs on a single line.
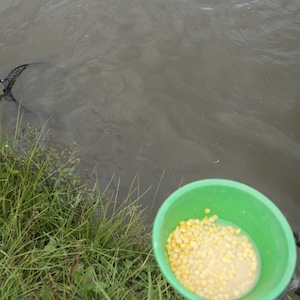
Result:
{"points": [[156, 234]]}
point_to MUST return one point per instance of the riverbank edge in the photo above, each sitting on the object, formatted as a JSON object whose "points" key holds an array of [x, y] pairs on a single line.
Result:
{"points": [[61, 239]]}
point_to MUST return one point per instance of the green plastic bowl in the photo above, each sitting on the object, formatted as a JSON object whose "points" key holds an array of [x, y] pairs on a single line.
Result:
{"points": [[243, 206]]}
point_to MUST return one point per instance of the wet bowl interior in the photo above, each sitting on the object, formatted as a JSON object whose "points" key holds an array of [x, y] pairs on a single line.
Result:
{"points": [[243, 206]]}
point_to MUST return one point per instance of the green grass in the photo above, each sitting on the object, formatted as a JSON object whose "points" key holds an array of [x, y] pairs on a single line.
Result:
{"points": [[60, 239]]}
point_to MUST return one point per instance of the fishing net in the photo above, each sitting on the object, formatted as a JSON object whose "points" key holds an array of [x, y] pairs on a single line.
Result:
{"points": [[36, 87]]}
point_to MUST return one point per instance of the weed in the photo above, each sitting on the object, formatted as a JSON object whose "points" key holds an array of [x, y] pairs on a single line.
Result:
{"points": [[61, 239]]}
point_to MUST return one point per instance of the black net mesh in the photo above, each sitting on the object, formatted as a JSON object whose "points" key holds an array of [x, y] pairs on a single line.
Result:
{"points": [[9, 82], [38, 88]]}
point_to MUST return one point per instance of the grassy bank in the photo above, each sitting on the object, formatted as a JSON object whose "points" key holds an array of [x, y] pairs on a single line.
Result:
{"points": [[63, 240]]}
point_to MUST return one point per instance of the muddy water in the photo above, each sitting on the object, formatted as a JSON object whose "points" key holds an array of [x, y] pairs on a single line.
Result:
{"points": [[192, 88]]}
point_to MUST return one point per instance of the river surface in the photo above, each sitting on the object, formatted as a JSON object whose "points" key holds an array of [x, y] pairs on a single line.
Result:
{"points": [[191, 89]]}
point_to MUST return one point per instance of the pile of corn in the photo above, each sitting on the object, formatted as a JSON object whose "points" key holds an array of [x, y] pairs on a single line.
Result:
{"points": [[212, 260]]}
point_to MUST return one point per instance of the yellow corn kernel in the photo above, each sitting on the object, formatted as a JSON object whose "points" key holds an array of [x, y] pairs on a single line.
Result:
{"points": [[207, 210], [207, 258]]}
